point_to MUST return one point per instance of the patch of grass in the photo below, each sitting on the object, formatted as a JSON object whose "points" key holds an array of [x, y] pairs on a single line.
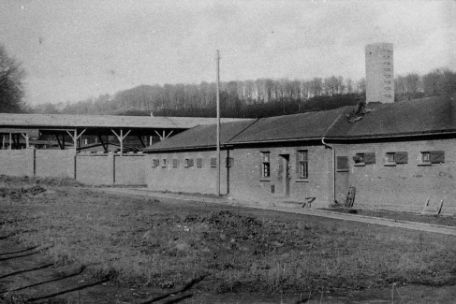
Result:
{"points": [[166, 242]]}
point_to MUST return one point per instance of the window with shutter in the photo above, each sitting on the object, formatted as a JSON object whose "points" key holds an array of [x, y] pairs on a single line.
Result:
{"points": [[401, 158], [437, 157], [359, 159], [342, 163], [369, 158]]}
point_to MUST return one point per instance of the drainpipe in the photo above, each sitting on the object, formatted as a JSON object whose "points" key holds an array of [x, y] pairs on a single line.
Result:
{"points": [[333, 167]]}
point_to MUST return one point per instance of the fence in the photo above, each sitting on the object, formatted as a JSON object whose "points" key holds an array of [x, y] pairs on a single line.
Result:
{"points": [[94, 169]]}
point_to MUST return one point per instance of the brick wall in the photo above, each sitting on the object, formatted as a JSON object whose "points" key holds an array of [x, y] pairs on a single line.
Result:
{"points": [[403, 186], [247, 182], [182, 179], [244, 179]]}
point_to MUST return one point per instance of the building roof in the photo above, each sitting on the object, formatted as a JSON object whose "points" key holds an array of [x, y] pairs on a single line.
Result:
{"points": [[64, 121], [425, 116], [201, 137], [302, 126], [420, 117]]}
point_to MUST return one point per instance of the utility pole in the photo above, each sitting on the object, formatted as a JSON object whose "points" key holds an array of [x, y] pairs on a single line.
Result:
{"points": [[218, 121]]}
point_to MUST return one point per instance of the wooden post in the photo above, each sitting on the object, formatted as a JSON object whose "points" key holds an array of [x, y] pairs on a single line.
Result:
{"points": [[75, 138], [218, 122], [121, 142], [120, 138], [440, 208], [27, 142], [3, 141]]}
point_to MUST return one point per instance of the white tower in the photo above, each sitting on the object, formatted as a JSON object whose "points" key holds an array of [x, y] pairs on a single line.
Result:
{"points": [[379, 73]]}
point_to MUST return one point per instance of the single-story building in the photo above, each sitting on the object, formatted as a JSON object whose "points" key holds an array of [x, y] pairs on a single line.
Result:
{"points": [[396, 156]]}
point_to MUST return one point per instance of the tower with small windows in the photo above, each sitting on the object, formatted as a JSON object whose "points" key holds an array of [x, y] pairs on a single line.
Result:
{"points": [[379, 73]]}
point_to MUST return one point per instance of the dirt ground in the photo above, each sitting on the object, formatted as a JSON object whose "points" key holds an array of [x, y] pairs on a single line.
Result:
{"points": [[63, 244]]}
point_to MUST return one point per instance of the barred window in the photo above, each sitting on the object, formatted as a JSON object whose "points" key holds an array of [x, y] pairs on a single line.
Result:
{"points": [[266, 164], [155, 163], [164, 163], [175, 163], [426, 157], [188, 162], [303, 164], [213, 162], [199, 162]]}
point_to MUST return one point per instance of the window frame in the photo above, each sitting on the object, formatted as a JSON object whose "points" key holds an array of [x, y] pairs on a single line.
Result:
{"points": [[302, 171], [347, 169], [175, 164], [155, 163], [164, 162], [390, 162], [199, 163], [265, 164], [362, 156], [189, 163], [213, 162]]}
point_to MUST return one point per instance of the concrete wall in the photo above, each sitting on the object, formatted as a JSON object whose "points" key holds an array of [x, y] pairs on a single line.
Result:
{"points": [[404, 186], [93, 169], [16, 162], [54, 163], [96, 169], [129, 169]]}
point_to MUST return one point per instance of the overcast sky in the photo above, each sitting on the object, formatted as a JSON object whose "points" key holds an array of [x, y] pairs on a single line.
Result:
{"points": [[72, 50]]}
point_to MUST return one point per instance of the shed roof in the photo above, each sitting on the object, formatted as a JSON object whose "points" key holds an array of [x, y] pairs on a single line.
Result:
{"points": [[36, 121]]}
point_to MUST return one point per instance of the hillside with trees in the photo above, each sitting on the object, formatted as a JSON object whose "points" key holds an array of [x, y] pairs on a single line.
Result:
{"points": [[252, 98]]}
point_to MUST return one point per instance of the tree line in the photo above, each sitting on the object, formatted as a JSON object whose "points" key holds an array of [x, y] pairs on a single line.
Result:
{"points": [[249, 98], [253, 98]]}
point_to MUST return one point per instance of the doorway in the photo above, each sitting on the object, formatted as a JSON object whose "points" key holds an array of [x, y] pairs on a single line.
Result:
{"points": [[285, 170]]}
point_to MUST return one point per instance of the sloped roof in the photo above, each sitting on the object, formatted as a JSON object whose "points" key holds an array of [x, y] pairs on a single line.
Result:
{"points": [[301, 126], [201, 137], [426, 116], [9, 120]]}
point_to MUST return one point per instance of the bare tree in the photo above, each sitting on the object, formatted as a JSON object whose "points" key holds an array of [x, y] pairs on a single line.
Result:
{"points": [[11, 87]]}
